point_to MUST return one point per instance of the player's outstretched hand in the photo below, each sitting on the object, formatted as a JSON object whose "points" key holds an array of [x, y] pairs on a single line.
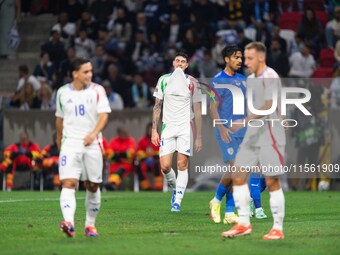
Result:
{"points": [[225, 134], [89, 139], [198, 144], [155, 137]]}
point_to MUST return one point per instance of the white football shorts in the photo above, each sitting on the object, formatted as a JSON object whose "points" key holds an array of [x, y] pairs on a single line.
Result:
{"points": [[80, 162], [176, 138], [269, 157]]}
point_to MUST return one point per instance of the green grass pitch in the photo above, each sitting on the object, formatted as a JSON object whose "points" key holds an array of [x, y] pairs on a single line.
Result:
{"points": [[141, 223]]}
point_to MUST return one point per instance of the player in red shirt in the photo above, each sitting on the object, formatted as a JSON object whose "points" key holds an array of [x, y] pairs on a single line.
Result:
{"points": [[20, 156], [123, 147], [147, 159]]}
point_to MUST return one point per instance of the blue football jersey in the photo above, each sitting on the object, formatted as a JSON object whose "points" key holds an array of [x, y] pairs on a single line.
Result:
{"points": [[225, 109]]}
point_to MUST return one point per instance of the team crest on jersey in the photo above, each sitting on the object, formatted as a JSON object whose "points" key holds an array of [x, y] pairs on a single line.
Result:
{"points": [[89, 100], [230, 151]]}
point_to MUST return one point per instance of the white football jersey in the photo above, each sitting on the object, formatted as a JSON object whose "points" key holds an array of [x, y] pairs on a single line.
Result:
{"points": [[79, 109], [178, 91], [263, 87]]}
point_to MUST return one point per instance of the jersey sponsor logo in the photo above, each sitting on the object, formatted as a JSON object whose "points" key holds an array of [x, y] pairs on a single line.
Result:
{"points": [[69, 101], [230, 151]]}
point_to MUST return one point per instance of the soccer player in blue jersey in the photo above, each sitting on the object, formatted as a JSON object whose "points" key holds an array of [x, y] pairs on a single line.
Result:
{"points": [[229, 141]]}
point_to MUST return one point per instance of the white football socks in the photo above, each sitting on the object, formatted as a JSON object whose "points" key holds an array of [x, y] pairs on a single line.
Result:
{"points": [[181, 184], [242, 198], [68, 204], [277, 206], [171, 178], [92, 204]]}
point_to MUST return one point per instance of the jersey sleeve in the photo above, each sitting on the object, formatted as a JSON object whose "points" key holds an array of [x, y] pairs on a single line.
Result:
{"points": [[215, 92], [59, 106], [159, 90], [197, 93], [103, 103]]}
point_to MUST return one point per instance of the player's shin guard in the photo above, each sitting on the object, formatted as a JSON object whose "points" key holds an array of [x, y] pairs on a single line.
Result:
{"points": [[68, 204], [181, 185], [171, 178], [242, 198], [277, 206], [92, 204]]}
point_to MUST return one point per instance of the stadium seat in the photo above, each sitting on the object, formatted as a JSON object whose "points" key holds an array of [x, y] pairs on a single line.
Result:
{"points": [[322, 17], [327, 58], [290, 20], [322, 76], [288, 35], [315, 4]]}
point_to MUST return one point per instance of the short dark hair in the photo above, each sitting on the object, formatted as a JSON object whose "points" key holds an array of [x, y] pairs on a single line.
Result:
{"points": [[182, 54], [23, 69], [77, 63], [230, 50]]}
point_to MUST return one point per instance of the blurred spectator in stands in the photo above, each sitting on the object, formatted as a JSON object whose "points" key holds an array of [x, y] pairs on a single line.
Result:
{"points": [[73, 8], [154, 43], [119, 84], [45, 95], [26, 7], [242, 39], [121, 28], [45, 70], [49, 162], [289, 6], [141, 94], [263, 16], [207, 67], [102, 10], [55, 48], [140, 24], [295, 45], [26, 99], [19, 157], [201, 29], [309, 135], [276, 35], [147, 161], [181, 9], [277, 59], [333, 29], [311, 31], [135, 48], [173, 32], [9, 15], [155, 12], [217, 50], [148, 60], [98, 63], [89, 24], [66, 29], [337, 53], [302, 64], [85, 47], [24, 76], [121, 166], [232, 14], [115, 100], [64, 70], [335, 89], [204, 11], [190, 43], [110, 43]]}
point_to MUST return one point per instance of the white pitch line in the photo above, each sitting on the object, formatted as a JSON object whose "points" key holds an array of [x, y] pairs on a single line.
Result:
{"points": [[47, 199]]}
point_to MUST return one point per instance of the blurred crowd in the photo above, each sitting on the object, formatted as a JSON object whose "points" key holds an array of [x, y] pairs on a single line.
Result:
{"points": [[126, 162], [131, 43]]}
